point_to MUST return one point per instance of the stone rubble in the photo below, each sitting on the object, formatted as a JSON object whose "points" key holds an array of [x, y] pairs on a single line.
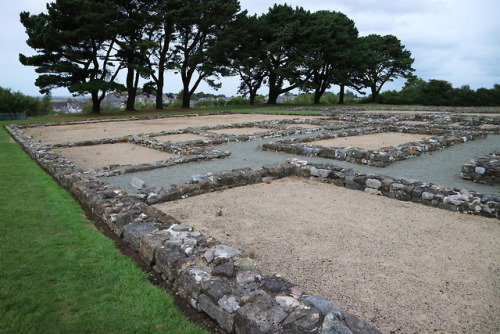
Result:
{"points": [[483, 170]]}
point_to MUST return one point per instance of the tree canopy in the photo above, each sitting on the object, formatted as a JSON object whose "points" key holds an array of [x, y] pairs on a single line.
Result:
{"points": [[83, 45], [75, 43], [387, 60]]}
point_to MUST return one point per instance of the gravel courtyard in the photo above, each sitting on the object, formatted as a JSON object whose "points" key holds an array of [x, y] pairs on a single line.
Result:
{"points": [[401, 266]]}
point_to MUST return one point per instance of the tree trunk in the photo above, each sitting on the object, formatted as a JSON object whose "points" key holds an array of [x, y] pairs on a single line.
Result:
{"points": [[253, 94], [374, 94], [186, 96], [273, 89], [159, 88], [341, 94], [131, 90], [96, 103], [159, 96], [317, 96]]}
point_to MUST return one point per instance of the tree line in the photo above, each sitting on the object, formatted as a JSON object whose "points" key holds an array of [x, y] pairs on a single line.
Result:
{"points": [[440, 93], [83, 45], [17, 102]]}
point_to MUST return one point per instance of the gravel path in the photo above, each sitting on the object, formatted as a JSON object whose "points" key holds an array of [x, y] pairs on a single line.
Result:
{"points": [[440, 167]]}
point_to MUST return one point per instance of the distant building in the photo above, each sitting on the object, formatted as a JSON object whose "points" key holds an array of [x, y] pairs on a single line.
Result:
{"points": [[68, 107]]}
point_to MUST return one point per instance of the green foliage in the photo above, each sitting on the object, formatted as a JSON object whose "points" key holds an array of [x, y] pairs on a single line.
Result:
{"points": [[74, 43], [200, 26], [58, 273], [237, 101], [387, 60], [16, 102], [326, 98], [440, 93], [286, 44], [209, 103], [332, 51]]}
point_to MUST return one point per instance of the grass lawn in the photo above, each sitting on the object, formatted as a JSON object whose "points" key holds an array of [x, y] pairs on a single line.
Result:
{"points": [[58, 274]]}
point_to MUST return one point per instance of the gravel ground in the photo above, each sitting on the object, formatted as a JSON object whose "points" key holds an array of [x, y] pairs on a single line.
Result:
{"points": [[440, 167], [402, 266]]}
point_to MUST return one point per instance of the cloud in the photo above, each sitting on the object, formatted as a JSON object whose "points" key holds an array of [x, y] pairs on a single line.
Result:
{"points": [[453, 40]]}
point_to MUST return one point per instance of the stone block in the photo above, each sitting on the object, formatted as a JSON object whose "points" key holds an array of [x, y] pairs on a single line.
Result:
{"points": [[358, 326], [149, 243], [214, 311], [332, 325], [373, 183], [167, 258], [261, 316], [132, 234]]}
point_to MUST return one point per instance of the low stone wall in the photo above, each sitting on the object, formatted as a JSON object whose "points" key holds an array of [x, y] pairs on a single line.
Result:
{"points": [[217, 279], [377, 158], [483, 170]]}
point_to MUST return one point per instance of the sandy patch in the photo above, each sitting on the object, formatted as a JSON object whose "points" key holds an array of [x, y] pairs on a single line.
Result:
{"points": [[372, 141], [179, 138], [99, 156], [88, 131], [240, 131], [402, 266]]}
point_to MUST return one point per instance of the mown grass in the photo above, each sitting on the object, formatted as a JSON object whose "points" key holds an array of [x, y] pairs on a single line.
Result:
{"points": [[58, 274]]}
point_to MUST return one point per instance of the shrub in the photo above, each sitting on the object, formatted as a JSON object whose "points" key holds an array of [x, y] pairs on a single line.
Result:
{"points": [[237, 101]]}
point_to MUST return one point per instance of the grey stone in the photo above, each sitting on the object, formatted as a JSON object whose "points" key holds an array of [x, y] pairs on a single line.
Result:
{"points": [[229, 303], [198, 178], [287, 302], [247, 264], [373, 183], [182, 228], [358, 326], [332, 325], [223, 318], [259, 317], [247, 277], [137, 183], [166, 260], [216, 287], [480, 170], [302, 319], [150, 242], [225, 269], [275, 284], [132, 234], [225, 252], [325, 306], [428, 195]]}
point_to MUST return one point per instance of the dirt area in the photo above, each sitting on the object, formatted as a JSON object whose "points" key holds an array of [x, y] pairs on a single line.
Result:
{"points": [[99, 156], [402, 266], [179, 138], [88, 131], [371, 142]]}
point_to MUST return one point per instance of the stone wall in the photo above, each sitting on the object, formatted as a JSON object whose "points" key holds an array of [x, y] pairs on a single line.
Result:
{"points": [[483, 170], [213, 278], [217, 279], [378, 158]]}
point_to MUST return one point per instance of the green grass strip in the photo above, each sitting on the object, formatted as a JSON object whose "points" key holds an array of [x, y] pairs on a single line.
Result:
{"points": [[58, 274]]}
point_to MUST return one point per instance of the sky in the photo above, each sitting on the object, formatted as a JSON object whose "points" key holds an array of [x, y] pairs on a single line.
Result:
{"points": [[453, 40]]}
